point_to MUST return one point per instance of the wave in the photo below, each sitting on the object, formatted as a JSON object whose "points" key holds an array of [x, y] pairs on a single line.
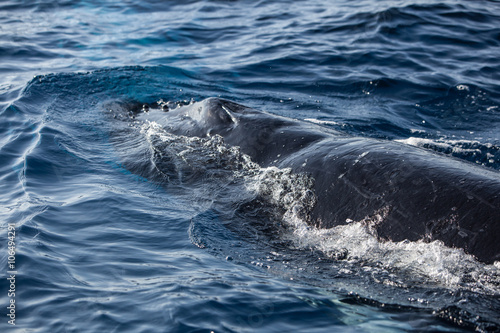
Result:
{"points": [[485, 154], [262, 212]]}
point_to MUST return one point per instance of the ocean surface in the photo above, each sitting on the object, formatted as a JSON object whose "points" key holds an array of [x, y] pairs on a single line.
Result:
{"points": [[96, 247]]}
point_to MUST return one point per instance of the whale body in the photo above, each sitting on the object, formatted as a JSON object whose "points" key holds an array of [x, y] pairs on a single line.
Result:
{"points": [[422, 195]]}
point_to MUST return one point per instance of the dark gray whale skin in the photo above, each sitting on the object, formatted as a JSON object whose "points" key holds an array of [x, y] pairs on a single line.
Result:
{"points": [[417, 193]]}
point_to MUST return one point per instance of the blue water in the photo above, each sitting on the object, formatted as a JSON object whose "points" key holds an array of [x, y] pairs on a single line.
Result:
{"points": [[99, 248]]}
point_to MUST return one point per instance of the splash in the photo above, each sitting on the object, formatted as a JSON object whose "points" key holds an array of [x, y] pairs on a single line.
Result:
{"points": [[225, 173]]}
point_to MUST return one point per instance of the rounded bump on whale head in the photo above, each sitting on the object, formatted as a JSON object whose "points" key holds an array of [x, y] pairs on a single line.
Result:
{"points": [[212, 115], [205, 118], [216, 115], [214, 111]]}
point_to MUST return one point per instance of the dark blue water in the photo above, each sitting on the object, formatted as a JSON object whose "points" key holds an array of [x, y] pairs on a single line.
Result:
{"points": [[98, 248]]}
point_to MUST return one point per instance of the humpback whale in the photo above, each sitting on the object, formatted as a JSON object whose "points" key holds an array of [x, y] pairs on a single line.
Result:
{"points": [[423, 195]]}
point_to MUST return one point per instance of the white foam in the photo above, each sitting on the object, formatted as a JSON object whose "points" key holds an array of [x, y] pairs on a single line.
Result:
{"points": [[452, 146], [472, 150], [431, 261], [322, 122]]}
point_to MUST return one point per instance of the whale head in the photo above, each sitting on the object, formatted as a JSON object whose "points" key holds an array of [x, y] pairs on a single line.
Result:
{"points": [[205, 118], [259, 134]]}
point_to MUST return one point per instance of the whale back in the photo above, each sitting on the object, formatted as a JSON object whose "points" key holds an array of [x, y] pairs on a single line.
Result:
{"points": [[402, 192]]}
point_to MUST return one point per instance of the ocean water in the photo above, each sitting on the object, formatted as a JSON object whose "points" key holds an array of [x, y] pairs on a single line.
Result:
{"points": [[97, 247]]}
